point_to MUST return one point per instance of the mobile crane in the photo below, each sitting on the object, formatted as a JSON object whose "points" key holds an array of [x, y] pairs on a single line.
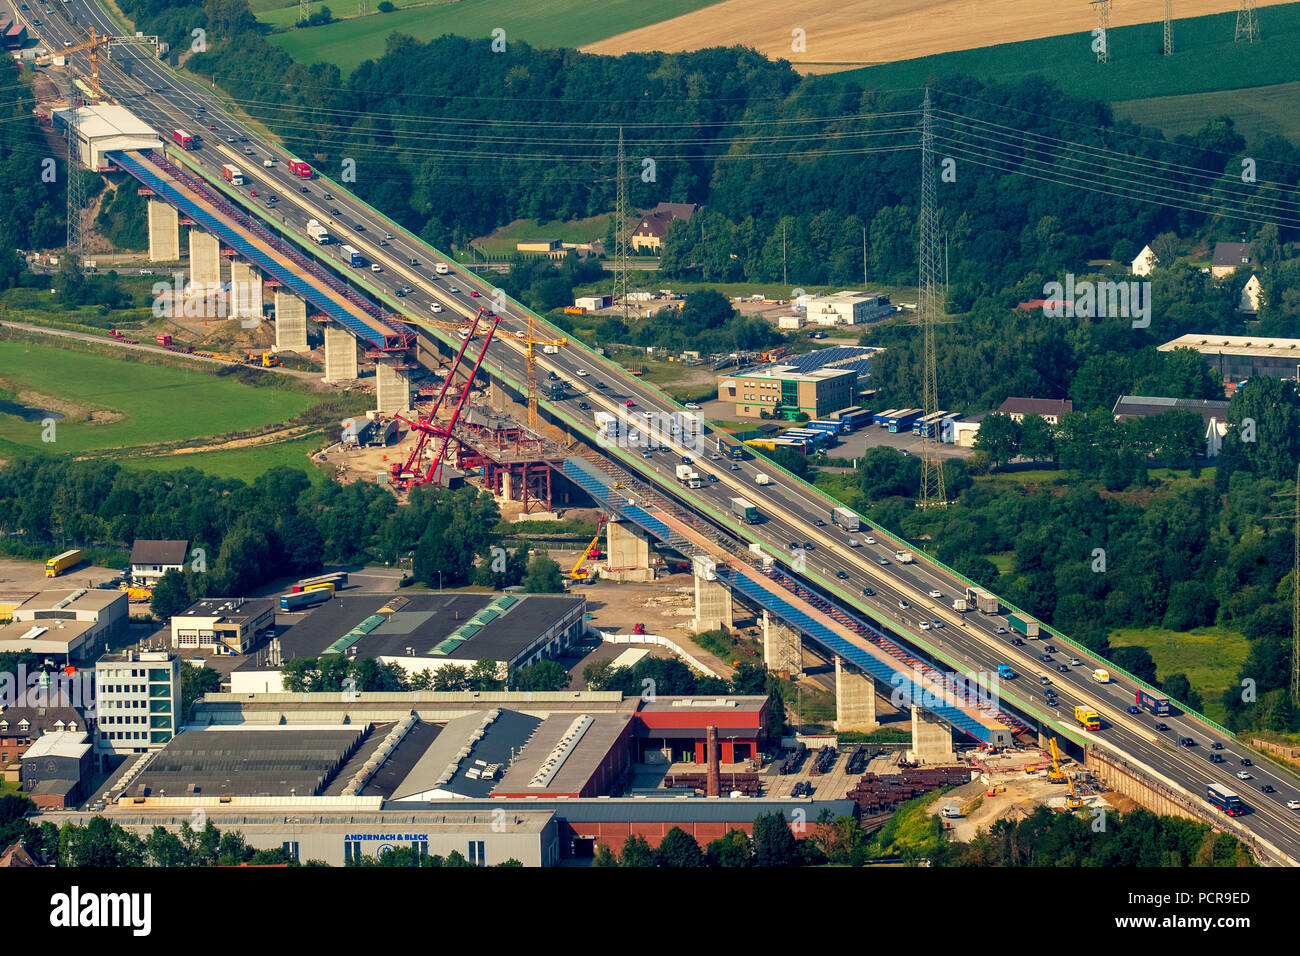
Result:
{"points": [[1057, 775], [578, 573]]}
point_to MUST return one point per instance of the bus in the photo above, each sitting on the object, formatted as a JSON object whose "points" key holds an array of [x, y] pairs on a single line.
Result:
{"points": [[353, 257], [1225, 800], [183, 139]]}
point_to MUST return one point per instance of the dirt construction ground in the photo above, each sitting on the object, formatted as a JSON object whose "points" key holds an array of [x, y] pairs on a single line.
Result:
{"points": [[851, 33]]}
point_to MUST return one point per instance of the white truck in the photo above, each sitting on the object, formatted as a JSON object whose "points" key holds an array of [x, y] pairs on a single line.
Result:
{"points": [[761, 479], [1101, 676], [317, 231], [846, 519], [959, 606], [903, 557], [684, 472], [440, 268]]}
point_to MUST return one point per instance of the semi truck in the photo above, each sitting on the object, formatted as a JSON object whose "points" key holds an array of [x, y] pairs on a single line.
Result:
{"points": [[317, 231], [163, 340], [183, 139], [352, 256], [61, 562], [695, 481], [731, 449], [1151, 703], [1087, 717], [745, 511], [1025, 625], [303, 600], [299, 168], [982, 601], [234, 175], [846, 519], [684, 472]]}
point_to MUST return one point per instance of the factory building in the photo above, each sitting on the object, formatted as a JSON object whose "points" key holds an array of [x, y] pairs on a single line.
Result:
{"points": [[222, 625], [845, 308], [66, 626], [782, 391], [1235, 358], [423, 631], [150, 560], [103, 129]]}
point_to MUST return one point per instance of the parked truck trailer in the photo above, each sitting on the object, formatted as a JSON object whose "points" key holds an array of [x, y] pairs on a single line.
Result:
{"points": [[303, 600]]}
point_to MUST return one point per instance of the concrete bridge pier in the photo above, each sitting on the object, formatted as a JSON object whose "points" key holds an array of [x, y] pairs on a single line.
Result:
{"points": [[245, 291], [855, 700], [290, 323], [164, 232], [205, 259], [340, 355], [931, 739], [627, 550], [712, 603], [782, 646], [392, 387]]}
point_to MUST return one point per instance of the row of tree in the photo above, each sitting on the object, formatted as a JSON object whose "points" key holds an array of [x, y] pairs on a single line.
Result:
{"points": [[334, 672]]}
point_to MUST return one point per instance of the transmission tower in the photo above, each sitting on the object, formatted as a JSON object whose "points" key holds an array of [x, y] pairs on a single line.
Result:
{"points": [[304, 10], [1103, 25], [620, 230], [1247, 22], [361, 8], [929, 304], [1169, 27], [1294, 518], [76, 185]]}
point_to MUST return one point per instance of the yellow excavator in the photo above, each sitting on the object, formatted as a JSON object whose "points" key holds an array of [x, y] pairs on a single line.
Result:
{"points": [[579, 573], [1057, 775]]}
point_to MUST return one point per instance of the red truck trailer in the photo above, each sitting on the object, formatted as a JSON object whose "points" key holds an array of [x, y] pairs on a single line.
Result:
{"points": [[183, 139], [299, 168]]}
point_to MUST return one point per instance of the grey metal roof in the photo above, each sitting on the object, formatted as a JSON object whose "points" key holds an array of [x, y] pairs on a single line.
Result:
{"points": [[146, 551], [649, 809]]}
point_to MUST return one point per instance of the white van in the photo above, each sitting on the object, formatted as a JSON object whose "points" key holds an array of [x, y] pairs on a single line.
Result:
{"points": [[1101, 676], [435, 307], [376, 267]]}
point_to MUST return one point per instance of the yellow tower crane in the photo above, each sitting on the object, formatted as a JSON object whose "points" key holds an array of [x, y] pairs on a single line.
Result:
{"points": [[530, 362], [93, 45]]}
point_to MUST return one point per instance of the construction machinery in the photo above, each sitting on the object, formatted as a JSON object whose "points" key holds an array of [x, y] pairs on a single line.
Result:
{"points": [[1057, 775], [530, 363], [592, 551], [413, 472], [91, 48]]}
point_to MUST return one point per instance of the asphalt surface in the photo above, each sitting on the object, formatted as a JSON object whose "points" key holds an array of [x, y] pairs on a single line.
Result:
{"points": [[966, 642]]}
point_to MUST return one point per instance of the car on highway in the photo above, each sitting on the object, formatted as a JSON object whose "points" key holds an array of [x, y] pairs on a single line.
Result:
{"points": [[1216, 758], [1044, 680], [686, 460], [869, 540], [808, 546], [584, 406], [713, 478], [883, 562], [454, 290], [842, 575], [937, 623], [1186, 741], [1045, 658], [414, 262], [212, 126], [1162, 726], [735, 467], [1050, 698], [1017, 642], [691, 405], [335, 211], [400, 294], [1293, 804], [600, 384], [1268, 788], [230, 139], [903, 605], [389, 235], [665, 449], [1244, 775], [935, 593], [248, 151], [328, 196], [1049, 648], [406, 289], [1075, 662], [925, 625], [583, 373], [820, 523], [252, 192], [356, 225], [1245, 762], [273, 198], [629, 403], [1216, 746], [268, 163], [473, 293], [646, 454], [1063, 668], [435, 307], [868, 592]]}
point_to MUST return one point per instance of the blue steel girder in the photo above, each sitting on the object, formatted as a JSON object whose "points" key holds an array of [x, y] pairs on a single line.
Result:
{"points": [[610, 499], [390, 336]]}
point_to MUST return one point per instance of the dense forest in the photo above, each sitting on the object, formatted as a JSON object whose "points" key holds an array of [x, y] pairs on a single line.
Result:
{"points": [[32, 196]]}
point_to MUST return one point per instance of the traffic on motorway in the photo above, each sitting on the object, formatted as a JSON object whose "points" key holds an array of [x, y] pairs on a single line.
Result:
{"points": [[912, 601]]}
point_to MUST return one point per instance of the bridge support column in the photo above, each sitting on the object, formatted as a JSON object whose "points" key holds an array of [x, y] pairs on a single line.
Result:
{"points": [[628, 551], [164, 232], [290, 323], [931, 739], [340, 355], [855, 700], [205, 259], [245, 291], [392, 388], [712, 605], [782, 647]]}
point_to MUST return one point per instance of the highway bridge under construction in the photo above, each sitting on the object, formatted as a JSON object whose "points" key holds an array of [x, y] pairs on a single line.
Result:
{"points": [[884, 620]]}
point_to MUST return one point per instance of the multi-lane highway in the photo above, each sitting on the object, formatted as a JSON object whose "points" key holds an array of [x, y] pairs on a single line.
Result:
{"points": [[966, 642]]}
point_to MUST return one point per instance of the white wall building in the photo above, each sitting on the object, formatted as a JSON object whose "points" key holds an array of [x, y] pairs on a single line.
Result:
{"points": [[138, 701], [845, 308], [1144, 263]]}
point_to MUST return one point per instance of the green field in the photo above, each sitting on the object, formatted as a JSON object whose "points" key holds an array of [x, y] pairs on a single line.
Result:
{"points": [[1267, 111], [1209, 656], [157, 403], [502, 241], [1205, 59], [246, 464], [556, 24]]}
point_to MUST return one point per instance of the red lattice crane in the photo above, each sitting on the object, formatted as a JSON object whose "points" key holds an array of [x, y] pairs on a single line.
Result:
{"points": [[412, 473]]}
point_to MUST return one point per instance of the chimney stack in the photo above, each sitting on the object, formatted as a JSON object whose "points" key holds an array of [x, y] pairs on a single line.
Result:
{"points": [[712, 785]]}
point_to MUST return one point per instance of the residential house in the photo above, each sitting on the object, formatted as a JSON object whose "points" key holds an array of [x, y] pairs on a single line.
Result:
{"points": [[1144, 262], [1230, 256], [1049, 409], [150, 560], [650, 232]]}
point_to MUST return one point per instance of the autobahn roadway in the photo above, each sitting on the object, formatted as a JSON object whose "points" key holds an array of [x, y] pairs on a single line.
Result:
{"points": [[966, 642]]}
